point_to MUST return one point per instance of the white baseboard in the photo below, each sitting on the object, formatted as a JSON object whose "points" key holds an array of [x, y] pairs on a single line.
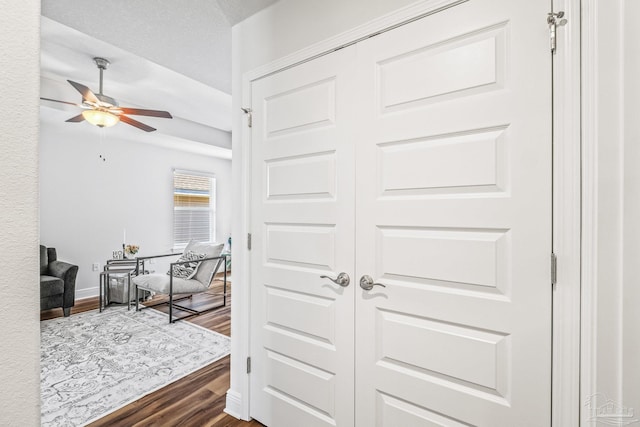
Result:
{"points": [[234, 405], [86, 293]]}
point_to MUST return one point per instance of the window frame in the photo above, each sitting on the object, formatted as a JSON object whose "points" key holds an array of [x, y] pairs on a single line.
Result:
{"points": [[212, 208]]}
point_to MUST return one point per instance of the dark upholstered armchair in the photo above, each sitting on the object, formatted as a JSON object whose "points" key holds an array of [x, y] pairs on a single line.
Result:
{"points": [[57, 281]]}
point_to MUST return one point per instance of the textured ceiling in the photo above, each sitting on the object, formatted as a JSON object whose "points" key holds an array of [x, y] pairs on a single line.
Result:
{"points": [[238, 10], [66, 54], [191, 37]]}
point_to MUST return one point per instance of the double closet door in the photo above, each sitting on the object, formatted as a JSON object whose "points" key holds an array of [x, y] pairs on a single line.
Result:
{"points": [[418, 164]]}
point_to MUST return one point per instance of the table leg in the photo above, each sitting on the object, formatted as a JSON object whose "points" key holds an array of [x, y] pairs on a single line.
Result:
{"points": [[129, 291], [100, 292]]}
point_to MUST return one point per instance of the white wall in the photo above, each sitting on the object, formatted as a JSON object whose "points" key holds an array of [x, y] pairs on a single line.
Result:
{"points": [[615, 98], [291, 25], [87, 202], [631, 247], [19, 290]]}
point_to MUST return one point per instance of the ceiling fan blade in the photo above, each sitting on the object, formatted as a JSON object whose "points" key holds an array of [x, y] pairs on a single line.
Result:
{"points": [[76, 119], [136, 123], [63, 102], [87, 95], [151, 113]]}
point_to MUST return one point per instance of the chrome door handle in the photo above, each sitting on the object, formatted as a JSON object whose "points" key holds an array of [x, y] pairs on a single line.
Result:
{"points": [[366, 283], [342, 279]]}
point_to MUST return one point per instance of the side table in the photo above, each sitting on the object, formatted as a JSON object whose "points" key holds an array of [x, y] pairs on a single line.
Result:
{"points": [[121, 269]]}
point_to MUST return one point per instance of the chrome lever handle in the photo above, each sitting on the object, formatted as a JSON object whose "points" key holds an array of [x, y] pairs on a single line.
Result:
{"points": [[367, 283], [343, 279]]}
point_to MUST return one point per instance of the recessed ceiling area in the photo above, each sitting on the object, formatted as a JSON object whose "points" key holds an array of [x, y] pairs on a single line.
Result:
{"points": [[190, 37], [164, 55]]}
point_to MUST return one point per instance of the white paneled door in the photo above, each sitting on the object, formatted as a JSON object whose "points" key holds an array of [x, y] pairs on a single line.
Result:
{"points": [[303, 227], [419, 163], [454, 218]]}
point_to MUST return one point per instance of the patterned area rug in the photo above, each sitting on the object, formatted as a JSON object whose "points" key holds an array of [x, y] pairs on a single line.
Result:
{"points": [[94, 363]]}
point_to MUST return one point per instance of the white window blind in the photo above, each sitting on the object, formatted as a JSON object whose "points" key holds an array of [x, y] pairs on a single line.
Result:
{"points": [[194, 208]]}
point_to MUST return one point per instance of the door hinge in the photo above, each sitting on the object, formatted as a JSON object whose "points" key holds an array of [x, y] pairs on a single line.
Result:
{"points": [[248, 365], [248, 112], [554, 20], [554, 268], [249, 241]]}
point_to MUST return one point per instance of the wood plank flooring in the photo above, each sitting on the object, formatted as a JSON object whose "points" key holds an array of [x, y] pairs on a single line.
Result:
{"points": [[196, 400]]}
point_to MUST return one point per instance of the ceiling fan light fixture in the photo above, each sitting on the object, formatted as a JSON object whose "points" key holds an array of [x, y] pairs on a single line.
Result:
{"points": [[99, 118], [103, 111]]}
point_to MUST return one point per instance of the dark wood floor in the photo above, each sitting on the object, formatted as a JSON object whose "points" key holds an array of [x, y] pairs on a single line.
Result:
{"points": [[196, 400]]}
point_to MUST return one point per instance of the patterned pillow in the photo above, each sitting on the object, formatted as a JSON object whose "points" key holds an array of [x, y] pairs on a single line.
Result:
{"points": [[188, 270], [207, 268]]}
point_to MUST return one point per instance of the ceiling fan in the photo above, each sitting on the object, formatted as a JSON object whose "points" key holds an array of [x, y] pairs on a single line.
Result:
{"points": [[104, 111]]}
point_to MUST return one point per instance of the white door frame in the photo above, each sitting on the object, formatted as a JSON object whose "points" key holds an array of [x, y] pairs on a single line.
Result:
{"points": [[566, 220], [589, 154], [567, 224]]}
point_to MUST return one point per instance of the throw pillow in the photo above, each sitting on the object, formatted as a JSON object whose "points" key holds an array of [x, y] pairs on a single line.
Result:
{"points": [[207, 268], [188, 270]]}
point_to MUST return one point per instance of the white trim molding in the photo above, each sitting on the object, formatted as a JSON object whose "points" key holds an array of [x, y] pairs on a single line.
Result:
{"points": [[234, 405], [87, 292], [399, 17], [566, 218], [237, 403], [589, 293]]}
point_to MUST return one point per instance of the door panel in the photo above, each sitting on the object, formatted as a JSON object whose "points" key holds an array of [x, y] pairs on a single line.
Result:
{"points": [[303, 227], [469, 162], [453, 208], [465, 64]]}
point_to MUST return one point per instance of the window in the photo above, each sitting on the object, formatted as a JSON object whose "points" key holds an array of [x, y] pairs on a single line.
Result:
{"points": [[194, 207]]}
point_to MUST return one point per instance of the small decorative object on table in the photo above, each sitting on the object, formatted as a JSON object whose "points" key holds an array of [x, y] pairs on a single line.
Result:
{"points": [[131, 250]]}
